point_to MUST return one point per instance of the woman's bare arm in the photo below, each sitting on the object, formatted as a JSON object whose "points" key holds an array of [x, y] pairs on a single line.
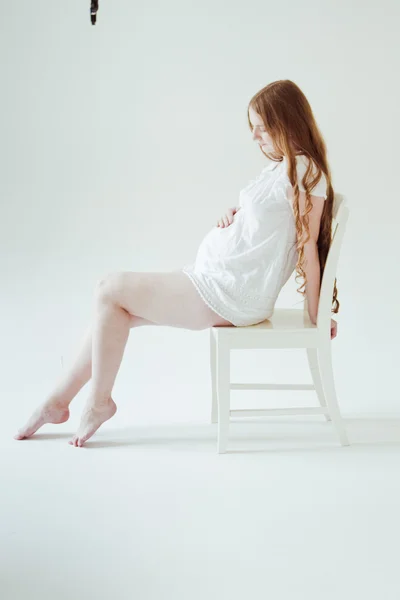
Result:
{"points": [[311, 259], [312, 271]]}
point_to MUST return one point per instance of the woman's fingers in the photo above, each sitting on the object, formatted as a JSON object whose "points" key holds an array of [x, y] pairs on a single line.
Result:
{"points": [[227, 219]]}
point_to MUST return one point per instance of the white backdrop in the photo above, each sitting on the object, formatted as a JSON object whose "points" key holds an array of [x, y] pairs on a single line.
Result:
{"points": [[122, 143]]}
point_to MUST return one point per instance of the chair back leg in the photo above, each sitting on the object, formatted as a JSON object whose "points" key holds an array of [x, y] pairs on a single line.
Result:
{"points": [[312, 357], [223, 394], [324, 359]]}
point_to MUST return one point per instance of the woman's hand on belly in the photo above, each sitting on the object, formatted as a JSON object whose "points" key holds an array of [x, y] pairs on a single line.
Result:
{"points": [[227, 219]]}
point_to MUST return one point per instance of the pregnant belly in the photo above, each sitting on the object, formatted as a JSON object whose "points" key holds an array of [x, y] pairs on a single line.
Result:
{"points": [[219, 243]]}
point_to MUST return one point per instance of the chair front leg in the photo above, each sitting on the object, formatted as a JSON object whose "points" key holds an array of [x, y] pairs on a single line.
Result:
{"points": [[223, 394], [213, 368]]}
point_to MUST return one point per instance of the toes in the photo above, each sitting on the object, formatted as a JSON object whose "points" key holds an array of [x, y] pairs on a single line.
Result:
{"points": [[29, 432], [29, 429], [76, 441], [25, 433], [84, 438]]}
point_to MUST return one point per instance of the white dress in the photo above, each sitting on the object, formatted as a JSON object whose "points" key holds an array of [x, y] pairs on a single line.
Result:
{"points": [[240, 269]]}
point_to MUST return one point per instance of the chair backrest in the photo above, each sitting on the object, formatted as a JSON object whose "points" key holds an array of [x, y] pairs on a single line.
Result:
{"points": [[340, 215]]}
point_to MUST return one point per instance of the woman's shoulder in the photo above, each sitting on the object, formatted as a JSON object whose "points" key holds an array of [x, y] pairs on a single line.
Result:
{"points": [[303, 160], [302, 164]]}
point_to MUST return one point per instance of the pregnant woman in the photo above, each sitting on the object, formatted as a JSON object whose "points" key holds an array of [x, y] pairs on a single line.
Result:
{"points": [[282, 221]]}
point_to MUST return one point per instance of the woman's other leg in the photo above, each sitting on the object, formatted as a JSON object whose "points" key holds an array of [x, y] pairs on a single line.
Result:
{"points": [[80, 371]]}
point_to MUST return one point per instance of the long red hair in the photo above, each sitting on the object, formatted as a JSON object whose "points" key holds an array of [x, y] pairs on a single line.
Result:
{"points": [[289, 121]]}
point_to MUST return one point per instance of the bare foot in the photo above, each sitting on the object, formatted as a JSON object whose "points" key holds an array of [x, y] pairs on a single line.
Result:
{"points": [[52, 411], [92, 418]]}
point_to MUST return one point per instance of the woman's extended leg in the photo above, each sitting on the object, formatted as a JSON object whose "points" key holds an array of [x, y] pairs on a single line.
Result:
{"points": [[55, 408], [150, 298], [164, 298]]}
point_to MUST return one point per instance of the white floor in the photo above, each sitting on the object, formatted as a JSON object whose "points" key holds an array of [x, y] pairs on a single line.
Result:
{"points": [[154, 513]]}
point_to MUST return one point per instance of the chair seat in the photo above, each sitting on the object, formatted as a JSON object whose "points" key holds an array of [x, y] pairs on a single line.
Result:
{"points": [[287, 328], [288, 319], [283, 319]]}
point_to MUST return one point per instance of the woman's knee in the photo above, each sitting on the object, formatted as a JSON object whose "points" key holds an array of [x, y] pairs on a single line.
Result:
{"points": [[107, 287]]}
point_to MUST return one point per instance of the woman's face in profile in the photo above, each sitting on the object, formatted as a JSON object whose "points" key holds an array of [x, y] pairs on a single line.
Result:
{"points": [[259, 132]]}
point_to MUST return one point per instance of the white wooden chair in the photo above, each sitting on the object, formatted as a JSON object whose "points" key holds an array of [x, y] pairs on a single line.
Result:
{"points": [[287, 328]]}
